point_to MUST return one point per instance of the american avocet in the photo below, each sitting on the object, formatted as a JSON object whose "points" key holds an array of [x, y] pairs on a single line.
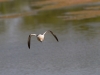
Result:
{"points": [[40, 37]]}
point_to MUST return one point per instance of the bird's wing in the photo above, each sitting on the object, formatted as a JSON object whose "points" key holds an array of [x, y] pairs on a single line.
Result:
{"points": [[29, 39], [54, 35], [51, 33]]}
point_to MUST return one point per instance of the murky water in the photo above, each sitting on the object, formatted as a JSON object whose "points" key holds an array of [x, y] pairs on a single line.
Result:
{"points": [[76, 53]]}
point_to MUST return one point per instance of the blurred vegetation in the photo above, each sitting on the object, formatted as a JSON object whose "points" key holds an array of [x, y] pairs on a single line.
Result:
{"points": [[34, 16]]}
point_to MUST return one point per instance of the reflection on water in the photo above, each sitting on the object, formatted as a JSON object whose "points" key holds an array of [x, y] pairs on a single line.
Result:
{"points": [[76, 53]]}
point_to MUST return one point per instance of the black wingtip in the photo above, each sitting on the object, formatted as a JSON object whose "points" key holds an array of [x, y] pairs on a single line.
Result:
{"points": [[29, 38], [28, 46], [54, 35], [57, 40]]}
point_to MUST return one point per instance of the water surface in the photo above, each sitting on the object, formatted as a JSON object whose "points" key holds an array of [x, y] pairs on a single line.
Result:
{"points": [[76, 53]]}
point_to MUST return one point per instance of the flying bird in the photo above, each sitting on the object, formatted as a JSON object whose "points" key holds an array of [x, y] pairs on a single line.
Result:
{"points": [[40, 37]]}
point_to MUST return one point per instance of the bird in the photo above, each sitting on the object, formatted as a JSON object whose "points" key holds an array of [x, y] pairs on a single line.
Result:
{"points": [[40, 37]]}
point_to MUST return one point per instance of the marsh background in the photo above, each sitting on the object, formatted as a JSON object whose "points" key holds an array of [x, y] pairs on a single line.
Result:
{"points": [[76, 24]]}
